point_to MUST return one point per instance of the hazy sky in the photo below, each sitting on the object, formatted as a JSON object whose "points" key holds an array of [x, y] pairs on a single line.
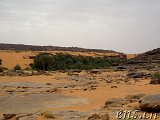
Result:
{"points": [[130, 26]]}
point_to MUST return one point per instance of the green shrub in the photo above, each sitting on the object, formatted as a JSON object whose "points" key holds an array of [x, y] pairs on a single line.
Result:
{"points": [[47, 61], [156, 75], [43, 61], [17, 67]]}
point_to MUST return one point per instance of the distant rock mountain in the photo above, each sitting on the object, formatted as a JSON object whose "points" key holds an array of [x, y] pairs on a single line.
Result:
{"points": [[22, 47]]}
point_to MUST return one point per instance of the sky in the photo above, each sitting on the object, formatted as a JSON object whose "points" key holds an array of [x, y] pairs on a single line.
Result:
{"points": [[128, 26]]}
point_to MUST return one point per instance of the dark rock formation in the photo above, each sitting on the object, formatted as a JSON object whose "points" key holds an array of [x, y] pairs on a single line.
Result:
{"points": [[152, 56], [21, 47]]}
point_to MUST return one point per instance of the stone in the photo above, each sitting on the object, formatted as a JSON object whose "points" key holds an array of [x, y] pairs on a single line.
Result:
{"points": [[150, 103]]}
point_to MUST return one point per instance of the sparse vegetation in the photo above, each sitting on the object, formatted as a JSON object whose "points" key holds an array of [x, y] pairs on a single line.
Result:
{"points": [[17, 67], [155, 78], [47, 61], [156, 75]]}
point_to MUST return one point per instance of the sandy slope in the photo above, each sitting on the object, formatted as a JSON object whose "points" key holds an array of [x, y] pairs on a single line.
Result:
{"points": [[131, 56]]}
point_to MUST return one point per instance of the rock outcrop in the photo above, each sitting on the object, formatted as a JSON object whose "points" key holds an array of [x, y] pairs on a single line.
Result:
{"points": [[152, 56]]}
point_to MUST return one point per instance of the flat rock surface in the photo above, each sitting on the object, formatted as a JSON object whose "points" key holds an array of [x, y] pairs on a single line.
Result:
{"points": [[35, 102]]}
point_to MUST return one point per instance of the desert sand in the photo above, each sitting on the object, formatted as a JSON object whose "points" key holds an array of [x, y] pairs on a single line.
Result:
{"points": [[74, 96]]}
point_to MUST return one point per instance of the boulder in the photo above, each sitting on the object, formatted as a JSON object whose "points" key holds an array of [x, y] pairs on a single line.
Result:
{"points": [[150, 103]]}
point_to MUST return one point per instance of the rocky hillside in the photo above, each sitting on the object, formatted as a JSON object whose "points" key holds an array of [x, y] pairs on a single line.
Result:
{"points": [[48, 48], [152, 56]]}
